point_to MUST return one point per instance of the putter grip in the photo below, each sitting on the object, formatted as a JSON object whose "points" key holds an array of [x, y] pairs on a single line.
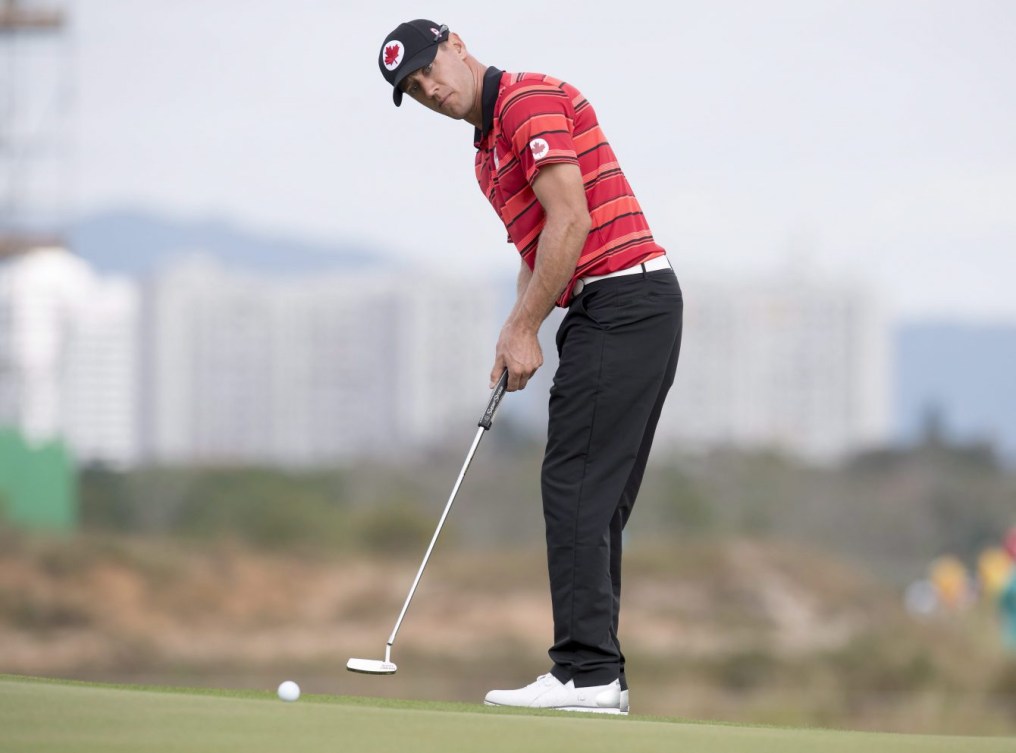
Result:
{"points": [[495, 400]]}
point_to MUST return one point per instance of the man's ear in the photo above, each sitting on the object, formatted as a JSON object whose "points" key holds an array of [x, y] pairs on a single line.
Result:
{"points": [[457, 45]]}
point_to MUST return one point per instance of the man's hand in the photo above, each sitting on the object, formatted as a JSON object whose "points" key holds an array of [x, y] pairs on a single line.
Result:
{"points": [[518, 350]]}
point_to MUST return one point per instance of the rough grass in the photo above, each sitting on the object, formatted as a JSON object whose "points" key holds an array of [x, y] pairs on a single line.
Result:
{"points": [[48, 715], [725, 629]]}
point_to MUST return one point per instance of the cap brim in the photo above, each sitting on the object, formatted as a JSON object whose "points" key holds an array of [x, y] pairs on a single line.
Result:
{"points": [[415, 63]]}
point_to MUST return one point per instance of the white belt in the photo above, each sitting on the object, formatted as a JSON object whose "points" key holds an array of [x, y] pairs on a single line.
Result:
{"points": [[653, 265]]}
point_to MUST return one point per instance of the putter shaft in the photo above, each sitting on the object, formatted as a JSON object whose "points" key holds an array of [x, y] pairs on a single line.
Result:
{"points": [[433, 541], [386, 667]]}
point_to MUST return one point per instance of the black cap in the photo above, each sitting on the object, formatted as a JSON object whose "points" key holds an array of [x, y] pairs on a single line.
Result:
{"points": [[410, 47]]}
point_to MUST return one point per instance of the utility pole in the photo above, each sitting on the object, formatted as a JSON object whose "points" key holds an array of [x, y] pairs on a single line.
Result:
{"points": [[34, 105]]}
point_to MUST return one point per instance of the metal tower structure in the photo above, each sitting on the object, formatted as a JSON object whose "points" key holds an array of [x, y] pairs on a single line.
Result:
{"points": [[34, 110]]}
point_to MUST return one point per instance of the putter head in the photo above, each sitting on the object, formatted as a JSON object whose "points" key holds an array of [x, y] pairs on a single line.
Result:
{"points": [[371, 666]]}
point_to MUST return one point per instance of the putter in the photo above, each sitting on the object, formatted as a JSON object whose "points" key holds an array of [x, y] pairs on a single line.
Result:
{"points": [[386, 666]]}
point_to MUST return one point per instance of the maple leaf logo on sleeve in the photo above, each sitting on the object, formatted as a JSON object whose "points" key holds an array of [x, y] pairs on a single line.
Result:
{"points": [[393, 55], [540, 148]]}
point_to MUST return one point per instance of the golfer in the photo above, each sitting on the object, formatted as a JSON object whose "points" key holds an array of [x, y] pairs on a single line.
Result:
{"points": [[549, 172]]}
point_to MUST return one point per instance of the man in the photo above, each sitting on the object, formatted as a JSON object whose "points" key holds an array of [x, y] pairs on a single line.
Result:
{"points": [[550, 174]]}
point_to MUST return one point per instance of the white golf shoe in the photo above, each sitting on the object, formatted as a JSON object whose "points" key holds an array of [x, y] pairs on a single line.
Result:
{"points": [[550, 693], [624, 702]]}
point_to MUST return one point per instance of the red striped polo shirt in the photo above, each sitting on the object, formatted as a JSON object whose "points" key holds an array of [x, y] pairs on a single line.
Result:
{"points": [[531, 120]]}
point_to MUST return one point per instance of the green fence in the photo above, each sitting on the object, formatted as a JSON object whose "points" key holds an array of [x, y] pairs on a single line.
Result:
{"points": [[38, 485]]}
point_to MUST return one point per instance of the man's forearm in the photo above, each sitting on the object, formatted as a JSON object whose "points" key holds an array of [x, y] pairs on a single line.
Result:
{"points": [[560, 246], [525, 275]]}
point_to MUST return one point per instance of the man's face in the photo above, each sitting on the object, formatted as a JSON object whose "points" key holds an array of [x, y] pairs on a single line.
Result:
{"points": [[446, 85]]}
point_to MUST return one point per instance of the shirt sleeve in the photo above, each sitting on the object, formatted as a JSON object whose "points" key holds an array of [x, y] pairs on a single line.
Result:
{"points": [[540, 123]]}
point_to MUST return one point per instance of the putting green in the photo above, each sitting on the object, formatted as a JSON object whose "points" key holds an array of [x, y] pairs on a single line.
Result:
{"points": [[44, 715]]}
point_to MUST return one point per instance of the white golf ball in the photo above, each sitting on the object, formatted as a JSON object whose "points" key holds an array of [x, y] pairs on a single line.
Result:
{"points": [[289, 691]]}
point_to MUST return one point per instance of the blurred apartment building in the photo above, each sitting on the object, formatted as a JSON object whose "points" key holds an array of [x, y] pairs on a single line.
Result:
{"points": [[67, 355], [204, 364], [801, 365], [242, 368], [208, 364]]}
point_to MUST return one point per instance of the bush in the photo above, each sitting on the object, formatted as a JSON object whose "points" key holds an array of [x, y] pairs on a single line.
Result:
{"points": [[872, 664], [746, 670], [394, 528], [261, 506]]}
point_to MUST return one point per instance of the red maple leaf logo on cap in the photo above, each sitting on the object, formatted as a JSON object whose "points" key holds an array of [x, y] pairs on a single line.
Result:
{"points": [[392, 54]]}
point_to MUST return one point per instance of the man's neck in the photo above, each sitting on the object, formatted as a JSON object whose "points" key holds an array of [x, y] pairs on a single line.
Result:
{"points": [[475, 116]]}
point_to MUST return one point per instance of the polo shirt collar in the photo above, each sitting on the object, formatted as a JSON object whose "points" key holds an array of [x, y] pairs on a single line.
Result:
{"points": [[491, 88]]}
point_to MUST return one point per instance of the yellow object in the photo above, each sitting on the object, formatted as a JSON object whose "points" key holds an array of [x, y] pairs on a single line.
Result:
{"points": [[951, 581], [994, 568]]}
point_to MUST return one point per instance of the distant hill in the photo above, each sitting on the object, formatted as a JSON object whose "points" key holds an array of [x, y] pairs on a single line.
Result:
{"points": [[136, 242], [964, 375]]}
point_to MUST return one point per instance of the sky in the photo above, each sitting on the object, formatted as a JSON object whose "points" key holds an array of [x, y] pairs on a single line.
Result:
{"points": [[868, 140]]}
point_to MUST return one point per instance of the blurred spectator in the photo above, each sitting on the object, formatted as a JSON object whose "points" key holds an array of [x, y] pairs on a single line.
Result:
{"points": [[1007, 611], [994, 567], [1010, 543], [920, 598], [952, 584]]}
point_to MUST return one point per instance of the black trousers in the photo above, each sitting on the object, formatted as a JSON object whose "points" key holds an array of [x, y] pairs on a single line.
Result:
{"points": [[618, 346]]}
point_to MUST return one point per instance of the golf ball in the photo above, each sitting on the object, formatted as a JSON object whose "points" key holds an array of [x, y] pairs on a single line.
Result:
{"points": [[289, 691]]}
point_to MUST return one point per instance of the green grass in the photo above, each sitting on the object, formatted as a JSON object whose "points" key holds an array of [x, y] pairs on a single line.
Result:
{"points": [[49, 715]]}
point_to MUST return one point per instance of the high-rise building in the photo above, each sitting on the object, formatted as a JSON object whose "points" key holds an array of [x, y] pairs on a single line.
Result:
{"points": [[800, 365], [67, 355], [212, 365], [101, 381], [300, 371]]}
